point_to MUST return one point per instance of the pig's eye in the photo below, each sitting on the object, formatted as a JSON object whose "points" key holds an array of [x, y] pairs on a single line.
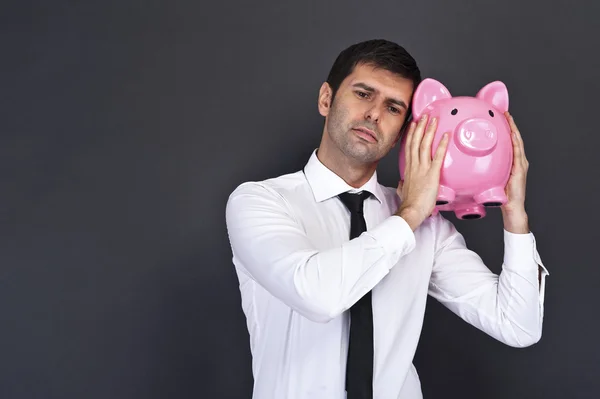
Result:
{"points": [[491, 113], [454, 111]]}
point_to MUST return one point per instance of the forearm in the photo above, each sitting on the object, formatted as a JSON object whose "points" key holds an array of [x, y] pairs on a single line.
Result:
{"points": [[319, 283], [520, 293], [520, 300], [509, 306]]}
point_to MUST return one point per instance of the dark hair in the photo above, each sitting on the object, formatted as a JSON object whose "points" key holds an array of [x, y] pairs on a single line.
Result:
{"points": [[381, 54]]}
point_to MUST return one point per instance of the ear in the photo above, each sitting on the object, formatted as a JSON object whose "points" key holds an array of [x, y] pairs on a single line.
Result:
{"points": [[324, 102], [496, 94], [427, 92]]}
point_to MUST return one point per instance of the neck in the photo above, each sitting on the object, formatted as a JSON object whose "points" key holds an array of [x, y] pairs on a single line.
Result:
{"points": [[351, 171]]}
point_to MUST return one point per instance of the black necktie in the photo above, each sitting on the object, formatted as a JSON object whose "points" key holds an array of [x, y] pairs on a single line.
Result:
{"points": [[359, 369]]}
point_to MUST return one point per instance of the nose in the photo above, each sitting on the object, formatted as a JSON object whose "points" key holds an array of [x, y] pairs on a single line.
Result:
{"points": [[476, 137], [372, 114]]}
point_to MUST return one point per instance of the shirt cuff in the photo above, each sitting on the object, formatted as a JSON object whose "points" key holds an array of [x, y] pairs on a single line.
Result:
{"points": [[520, 251], [394, 235]]}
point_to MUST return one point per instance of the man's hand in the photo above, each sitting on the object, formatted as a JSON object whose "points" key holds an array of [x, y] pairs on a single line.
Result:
{"points": [[419, 189], [513, 212]]}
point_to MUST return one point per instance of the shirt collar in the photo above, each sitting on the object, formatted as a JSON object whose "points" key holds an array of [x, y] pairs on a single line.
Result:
{"points": [[326, 184]]}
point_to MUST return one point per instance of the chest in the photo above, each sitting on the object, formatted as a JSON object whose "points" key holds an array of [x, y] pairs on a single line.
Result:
{"points": [[327, 226]]}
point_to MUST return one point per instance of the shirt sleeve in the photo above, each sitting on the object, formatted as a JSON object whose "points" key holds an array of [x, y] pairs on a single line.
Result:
{"points": [[273, 249], [508, 306]]}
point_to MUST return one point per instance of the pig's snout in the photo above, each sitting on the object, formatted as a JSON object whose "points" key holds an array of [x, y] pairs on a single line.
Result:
{"points": [[476, 137]]}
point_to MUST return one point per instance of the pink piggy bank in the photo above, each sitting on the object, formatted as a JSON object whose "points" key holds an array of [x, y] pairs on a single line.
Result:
{"points": [[479, 157]]}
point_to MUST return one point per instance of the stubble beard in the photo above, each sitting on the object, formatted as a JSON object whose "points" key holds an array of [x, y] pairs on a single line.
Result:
{"points": [[339, 129]]}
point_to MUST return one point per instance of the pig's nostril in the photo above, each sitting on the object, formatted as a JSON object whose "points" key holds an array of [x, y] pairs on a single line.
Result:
{"points": [[492, 203], [477, 137]]}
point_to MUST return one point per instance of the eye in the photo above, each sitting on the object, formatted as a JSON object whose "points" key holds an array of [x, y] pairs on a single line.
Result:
{"points": [[362, 94], [454, 111], [491, 113], [394, 110]]}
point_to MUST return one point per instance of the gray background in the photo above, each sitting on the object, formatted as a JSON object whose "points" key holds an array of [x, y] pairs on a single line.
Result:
{"points": [[125, 125]]}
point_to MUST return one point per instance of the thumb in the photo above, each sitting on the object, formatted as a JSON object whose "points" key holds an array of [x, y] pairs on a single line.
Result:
{"points": [[399, 189]]}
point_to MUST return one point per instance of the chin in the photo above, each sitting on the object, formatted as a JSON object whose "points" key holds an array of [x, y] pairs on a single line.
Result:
{"points": [[362, 155]]}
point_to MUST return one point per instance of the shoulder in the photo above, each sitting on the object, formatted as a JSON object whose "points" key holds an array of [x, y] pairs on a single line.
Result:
{"points": [[273, 192], [279, 185]]}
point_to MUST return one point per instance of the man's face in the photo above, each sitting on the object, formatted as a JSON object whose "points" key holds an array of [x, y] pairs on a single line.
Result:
{"points": [[368, 110]]}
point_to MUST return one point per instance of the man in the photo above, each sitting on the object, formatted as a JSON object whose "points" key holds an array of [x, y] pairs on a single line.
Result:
{"points": [[334, 310]]}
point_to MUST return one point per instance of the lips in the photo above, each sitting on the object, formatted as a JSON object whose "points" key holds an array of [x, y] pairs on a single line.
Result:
{"points": [[366, 134]]}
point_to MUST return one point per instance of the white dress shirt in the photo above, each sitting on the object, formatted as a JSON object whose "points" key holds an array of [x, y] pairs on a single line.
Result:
{"points": [[299, 273]]}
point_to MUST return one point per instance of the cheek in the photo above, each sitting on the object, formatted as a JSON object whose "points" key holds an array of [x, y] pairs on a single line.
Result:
{"points": [[391, 127], [353, 114], [356, 109], [339, 117]]}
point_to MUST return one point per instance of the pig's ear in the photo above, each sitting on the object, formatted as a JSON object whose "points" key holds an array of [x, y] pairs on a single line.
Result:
{"points": [[428, 91], [496, 94]]}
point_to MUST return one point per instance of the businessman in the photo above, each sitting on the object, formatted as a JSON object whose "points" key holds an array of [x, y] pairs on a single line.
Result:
{"points": [[335, 268]]}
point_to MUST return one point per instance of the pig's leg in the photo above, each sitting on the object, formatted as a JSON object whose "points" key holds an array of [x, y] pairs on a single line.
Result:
{"points": [[445, 195], [470, 212], [492, 197]]}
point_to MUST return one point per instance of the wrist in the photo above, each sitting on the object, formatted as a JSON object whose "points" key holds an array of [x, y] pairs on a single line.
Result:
{"points": [[515, 220], [410, 215]]}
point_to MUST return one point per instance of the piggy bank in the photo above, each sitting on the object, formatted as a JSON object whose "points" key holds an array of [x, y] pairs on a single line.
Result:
{"points": [[479, 157]]}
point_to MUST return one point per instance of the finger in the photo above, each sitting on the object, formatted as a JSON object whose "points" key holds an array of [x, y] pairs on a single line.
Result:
{"points": [[520, 163], [399, 189], [417, 138], [409, 136], [511, 121], [517, 154], [518, 145], [440, 152], [519, 139], [407, 145], [514, 129], [522, 158], [425, 154]]}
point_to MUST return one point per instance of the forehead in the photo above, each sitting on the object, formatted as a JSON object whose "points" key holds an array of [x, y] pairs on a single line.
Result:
{"points": [[387, 83]]}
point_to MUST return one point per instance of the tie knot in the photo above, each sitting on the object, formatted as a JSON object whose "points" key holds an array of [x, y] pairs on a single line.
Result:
{"points": [[354, 201]]}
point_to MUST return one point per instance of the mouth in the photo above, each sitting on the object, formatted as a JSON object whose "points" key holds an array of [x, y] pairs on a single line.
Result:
{"points": [[366, 134]]}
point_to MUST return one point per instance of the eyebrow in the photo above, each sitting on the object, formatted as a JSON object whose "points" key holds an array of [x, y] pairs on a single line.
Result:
{"points": [[368, 88]]}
